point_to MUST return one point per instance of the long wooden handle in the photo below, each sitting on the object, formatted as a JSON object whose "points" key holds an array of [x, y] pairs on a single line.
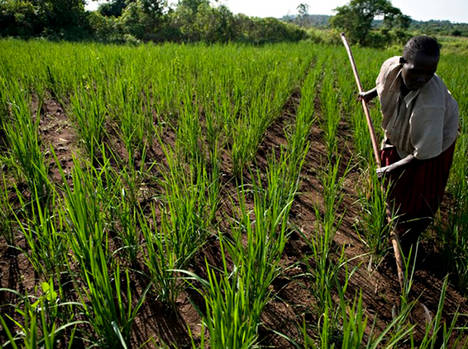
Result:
{"points": [[393, 235], [364, 104]]}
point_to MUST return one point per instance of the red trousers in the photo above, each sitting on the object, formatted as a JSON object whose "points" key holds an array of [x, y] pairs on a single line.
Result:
{"points": [[416, 191]]}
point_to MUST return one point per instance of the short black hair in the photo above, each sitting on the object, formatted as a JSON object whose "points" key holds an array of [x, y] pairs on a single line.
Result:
{"points": [[421, 44]]}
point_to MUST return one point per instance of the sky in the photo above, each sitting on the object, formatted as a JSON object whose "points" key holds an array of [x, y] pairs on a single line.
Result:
{"points": [[452, 10]]}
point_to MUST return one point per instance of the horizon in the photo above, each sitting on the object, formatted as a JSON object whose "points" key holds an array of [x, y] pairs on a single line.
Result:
{"points": [[455, 11]]}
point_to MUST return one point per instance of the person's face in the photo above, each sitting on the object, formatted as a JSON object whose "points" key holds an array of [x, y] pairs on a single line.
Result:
{"points": [[418, 70]]}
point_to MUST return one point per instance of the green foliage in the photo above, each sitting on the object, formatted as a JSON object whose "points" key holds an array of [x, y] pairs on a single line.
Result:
{"points": [[218, 24], [21, 131], [356, 19], [40, 320], [57, 19], [142, 19], [18, 18], [454, 232], [197, 20], [133, 21], [113, 8], [105, 28], [434, 27], [308, 20]]}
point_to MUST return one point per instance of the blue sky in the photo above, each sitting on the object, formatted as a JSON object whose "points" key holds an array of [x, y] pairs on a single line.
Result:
{"points": [[453, 10]]}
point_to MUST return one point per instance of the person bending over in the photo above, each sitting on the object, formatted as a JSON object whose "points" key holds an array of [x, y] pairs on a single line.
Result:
{"points": [[420, 123]]}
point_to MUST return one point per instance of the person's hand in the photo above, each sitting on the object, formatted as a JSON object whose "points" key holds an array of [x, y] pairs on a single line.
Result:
{"points": [[367, 96], [382, 171], [400, 164], [364, 96]]}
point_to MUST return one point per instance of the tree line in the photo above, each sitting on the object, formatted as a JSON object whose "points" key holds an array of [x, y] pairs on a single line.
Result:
{"points": [[431, 27], [140, 21], [372, 21], [366, 22]]}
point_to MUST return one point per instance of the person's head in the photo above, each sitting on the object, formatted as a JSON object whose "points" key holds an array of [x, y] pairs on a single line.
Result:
{"points": [[420, 58]]}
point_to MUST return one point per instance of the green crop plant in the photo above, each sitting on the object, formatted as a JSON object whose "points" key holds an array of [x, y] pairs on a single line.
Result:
{"points": [[22, 136], [189, 130], [119, 192], [454, 233], [248, 132], [321, 266], [123, 214], [190, 203], [107, 301], [330, 111], [6, 219], [368, 64], [298, 144], [437, 331], [107, 304], [89, 112], [44, 236], [41, 321], [85, 217], [373, 228], [235, 299], [133, 121], [161, 259], [352, 326]]}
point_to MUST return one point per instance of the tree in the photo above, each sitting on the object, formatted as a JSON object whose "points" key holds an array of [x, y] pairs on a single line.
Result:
{"points": [[113, 8], [18, 19], [303, 10], [186, 15], [193, 4], [214, 24], [143, 19], [53, 18], [356, 18]]}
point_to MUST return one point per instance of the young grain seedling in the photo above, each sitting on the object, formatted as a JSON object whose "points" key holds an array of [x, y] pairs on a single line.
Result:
{"points": [[190, 203], [109, 312], [6, 219], [44, 236], [373, 224], [38, 323], [89, 111], [22, 135], [321, 265], [331, 113]]}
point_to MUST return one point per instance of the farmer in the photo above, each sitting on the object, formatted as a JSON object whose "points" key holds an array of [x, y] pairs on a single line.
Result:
{"points": [[420, 122]]}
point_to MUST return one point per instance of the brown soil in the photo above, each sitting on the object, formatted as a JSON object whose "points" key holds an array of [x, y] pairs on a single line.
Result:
{"points": [[293, 302], [57, 133]]}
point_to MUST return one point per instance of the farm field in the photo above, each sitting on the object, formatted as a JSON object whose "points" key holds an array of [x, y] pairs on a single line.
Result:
{"points": [[212, 196]]}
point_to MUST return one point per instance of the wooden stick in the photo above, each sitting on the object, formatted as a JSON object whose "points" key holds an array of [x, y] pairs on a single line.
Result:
{"points": [[364, 104], [393, 235]]}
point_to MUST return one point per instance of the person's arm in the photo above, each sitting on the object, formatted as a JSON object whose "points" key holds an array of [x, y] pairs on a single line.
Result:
{"points": [[400, 163], [367, 96]]}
